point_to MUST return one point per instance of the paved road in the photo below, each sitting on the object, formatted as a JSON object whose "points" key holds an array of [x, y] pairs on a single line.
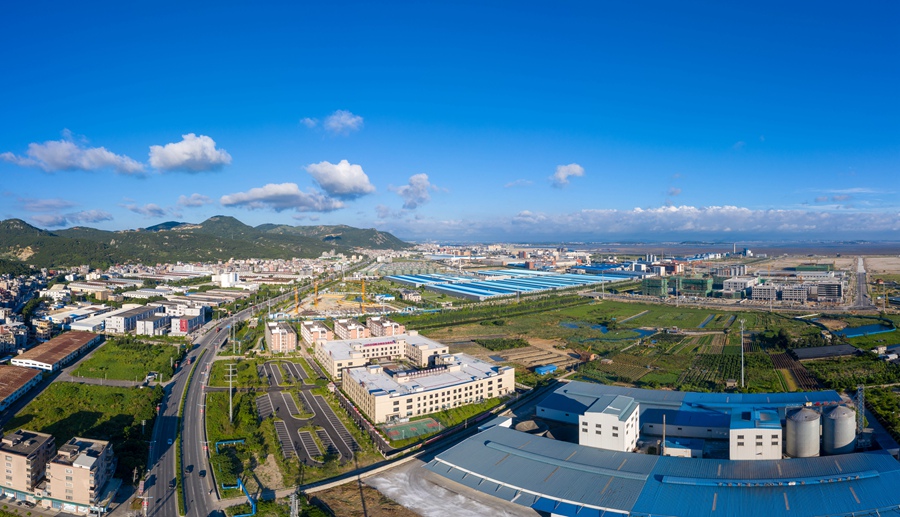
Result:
{"points": [[862, 301]]}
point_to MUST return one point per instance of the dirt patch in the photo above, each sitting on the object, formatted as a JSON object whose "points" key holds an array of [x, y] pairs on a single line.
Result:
{"points": [[882, 265], [832, 324], [269, 473], [549, 344], [347, 500]]}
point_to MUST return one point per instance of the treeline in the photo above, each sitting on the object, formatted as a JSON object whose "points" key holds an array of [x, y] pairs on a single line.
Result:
{"points": [[14, 267], [477, 313], [496, 345]]}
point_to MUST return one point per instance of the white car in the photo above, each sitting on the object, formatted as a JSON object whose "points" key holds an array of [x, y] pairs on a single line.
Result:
{"points": [[169, 441]]}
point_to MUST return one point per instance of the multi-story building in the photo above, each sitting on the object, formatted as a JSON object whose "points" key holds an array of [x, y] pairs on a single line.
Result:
{"points": [[795, 293], [43, 330], [155, 325], [755, 435], [765, 292], [730, 271], [280, 337], [127, 321], [25, 456], [611, 423], [411, 295], [380, 326], [830, 291], [350, 329], [78, 474], [740, 283], [655, 286], [186, 324], [335, 356], [454, 380], [312, 331]]}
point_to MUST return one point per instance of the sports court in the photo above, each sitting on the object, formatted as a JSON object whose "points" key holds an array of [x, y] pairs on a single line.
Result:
{"points": [[412, 429]]}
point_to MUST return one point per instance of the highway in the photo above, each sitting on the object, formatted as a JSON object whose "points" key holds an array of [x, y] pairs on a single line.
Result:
{"points": [[861, 301], [161, 499]]}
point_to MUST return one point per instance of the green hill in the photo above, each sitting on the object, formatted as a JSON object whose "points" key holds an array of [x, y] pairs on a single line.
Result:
{"points": [[217, 238]]}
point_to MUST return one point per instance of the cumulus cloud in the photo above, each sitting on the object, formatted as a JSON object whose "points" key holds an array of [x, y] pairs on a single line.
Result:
{"points": [[342, 180], [66, 155], [841, 197], [283, 196], [518, 183], [75, 218], [563, 172], [343, 122], [194, 200], [192, 154], [416, 193], [148, 210]]}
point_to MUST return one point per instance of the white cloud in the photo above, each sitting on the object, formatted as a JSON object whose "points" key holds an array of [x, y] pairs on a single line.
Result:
{"points": [[343, 179], [309, 122], [416, 193], [283, 196], [518, 183], [66, 155], [192, 154], [45, 205], [194, 200], [342, 122], [83, 217], [563, 172], [674, 191], [148, 210]]}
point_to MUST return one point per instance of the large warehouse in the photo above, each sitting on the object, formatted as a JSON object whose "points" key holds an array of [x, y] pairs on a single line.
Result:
{"points": [[590, 478], [58, 352]]}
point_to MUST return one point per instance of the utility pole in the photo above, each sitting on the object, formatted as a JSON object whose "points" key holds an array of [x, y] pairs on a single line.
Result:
{"points": [[230, 374], [742, 353], [295, 505]]}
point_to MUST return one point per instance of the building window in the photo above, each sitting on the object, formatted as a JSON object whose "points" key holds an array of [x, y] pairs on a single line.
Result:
{"points": [[759, 437], [740, 437], [759, 444], [740, 444], [584, 423], [615, 428], [598, 432], [584, 430], [615, 435]]}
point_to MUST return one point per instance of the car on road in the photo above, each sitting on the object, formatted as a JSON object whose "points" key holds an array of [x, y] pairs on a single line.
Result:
{"points": [[189, 469], [172, 484], [169, 441], [202, 473]]}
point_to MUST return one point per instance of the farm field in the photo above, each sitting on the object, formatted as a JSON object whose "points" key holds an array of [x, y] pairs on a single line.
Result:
{"points": [[129, 359]]}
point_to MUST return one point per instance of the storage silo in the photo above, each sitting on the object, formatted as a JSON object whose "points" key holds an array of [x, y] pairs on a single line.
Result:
{"points": [[802, 433], [839, 431]]}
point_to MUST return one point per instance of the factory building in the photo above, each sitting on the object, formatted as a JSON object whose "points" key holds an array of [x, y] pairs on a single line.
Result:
{"points": [[453, 380], [740, 283], [57, 352], [335, 356]]}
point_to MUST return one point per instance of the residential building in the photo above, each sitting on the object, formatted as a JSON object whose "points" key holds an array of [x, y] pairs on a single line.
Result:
{"points": [[380, 326], [43, 330], [454, 380], [312, 331], [350, 329], [335, 356], [611, 423], [765, 292], [78, 474], [280, 337], [25, 456]]}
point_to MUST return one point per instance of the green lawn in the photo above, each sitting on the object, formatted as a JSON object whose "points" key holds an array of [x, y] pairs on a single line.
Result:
{"points": [[66, 410], [129, 359], [247, 375]]}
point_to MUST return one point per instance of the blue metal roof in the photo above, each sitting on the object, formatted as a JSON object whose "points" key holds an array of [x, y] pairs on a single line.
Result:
{"points": [[573, 480]]}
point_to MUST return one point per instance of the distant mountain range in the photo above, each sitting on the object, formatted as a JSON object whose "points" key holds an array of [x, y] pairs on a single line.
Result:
{"points": [[217, 238]]}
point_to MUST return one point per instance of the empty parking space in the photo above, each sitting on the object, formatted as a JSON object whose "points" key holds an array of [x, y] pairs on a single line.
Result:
{"points": [[343, 435], [296, 371], [290, 404], [329, 445], [275, 376]]}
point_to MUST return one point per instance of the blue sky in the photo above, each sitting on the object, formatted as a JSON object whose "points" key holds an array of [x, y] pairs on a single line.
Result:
{"points": [[457, 121]]}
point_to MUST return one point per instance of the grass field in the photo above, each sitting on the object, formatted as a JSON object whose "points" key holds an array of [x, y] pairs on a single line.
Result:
{"points": [[66, 410], [129, 359], [247, 375]]}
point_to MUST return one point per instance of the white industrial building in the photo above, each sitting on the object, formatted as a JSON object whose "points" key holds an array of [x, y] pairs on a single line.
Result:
{"points": [[335, 356], [610, 423]]}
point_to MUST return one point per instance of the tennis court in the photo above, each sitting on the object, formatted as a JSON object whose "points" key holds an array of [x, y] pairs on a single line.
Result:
{"points": [[412, 429]]}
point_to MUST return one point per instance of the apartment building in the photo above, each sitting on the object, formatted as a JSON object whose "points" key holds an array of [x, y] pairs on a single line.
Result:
{"points": [[280, 337], [335, 356], [350, 329], [454, 380], [380, 326], [78, 474], [25, 456], [312, 331]]}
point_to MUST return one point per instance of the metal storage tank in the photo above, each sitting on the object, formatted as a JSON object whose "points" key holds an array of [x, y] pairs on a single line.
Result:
{"points": [[802, 433], [839, 431]]}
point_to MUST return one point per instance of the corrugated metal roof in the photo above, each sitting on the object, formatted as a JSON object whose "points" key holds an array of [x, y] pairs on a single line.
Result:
{"points": [[568, 479]]}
